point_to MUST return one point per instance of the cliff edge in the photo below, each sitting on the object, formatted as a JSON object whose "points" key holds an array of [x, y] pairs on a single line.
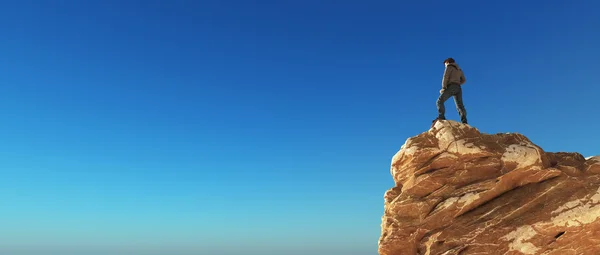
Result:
{"points": [[460, 191]]}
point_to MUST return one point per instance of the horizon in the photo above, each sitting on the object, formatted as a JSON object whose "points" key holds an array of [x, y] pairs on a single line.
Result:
{"points": [[262, 128]]}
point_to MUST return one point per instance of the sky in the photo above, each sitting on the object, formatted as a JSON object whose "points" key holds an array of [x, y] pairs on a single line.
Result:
{"points": [[260, 127]]}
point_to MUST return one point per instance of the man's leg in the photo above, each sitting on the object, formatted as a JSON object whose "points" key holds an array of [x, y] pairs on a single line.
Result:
{"points": [[440, 103], [460, 107]]}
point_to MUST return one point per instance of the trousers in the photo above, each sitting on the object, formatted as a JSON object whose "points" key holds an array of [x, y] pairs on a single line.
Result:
{"points": [[453, 90]]}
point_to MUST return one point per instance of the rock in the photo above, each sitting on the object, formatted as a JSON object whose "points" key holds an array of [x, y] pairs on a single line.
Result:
{"points": [[460, 191]]}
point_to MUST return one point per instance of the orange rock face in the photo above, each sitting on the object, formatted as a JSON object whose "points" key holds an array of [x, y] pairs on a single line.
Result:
{"points": [[459, 191]]}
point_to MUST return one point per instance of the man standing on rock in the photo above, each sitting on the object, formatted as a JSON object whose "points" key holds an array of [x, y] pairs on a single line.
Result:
{"points": [[452, 81]]}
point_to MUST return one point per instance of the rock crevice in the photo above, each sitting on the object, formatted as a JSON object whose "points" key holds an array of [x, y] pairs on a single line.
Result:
{"points": [[460, 191]]}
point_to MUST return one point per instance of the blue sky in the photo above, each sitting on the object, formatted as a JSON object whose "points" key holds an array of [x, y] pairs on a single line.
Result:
{"points": [[260, 127]]}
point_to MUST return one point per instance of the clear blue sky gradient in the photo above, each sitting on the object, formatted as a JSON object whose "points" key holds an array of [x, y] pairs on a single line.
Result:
{"points": [[260, 127]]}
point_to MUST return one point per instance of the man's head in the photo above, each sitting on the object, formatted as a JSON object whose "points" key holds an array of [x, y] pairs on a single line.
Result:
{"points": [[448, 61]]}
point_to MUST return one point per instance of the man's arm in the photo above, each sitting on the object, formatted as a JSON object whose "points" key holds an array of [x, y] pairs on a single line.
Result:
{"points": [[462, 78], [446, 77]]}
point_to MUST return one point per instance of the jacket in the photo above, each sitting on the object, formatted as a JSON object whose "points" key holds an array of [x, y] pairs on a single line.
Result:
{"points": [[453, 74]]}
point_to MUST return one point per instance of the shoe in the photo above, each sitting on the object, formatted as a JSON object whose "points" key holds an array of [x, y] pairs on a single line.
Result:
{"points": [[435, 120]]}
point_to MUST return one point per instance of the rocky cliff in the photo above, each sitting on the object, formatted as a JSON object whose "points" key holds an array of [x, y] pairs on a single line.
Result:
{"points": [[460, 191]]}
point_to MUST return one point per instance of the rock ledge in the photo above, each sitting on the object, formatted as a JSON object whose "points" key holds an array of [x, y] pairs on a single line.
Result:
{"points": [[460, 191]]}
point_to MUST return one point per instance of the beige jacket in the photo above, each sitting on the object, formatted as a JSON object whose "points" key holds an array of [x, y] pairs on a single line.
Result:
{"points": [[453, 74]]}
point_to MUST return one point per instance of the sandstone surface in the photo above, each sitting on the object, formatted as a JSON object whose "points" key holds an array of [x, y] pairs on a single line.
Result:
{"points": [[461, 191]]}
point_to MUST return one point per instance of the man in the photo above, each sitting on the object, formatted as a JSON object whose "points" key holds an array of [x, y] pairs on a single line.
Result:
{"points": [[452, 81]]}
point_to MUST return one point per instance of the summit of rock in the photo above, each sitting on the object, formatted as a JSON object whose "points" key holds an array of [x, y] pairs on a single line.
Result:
{"points": [[460, 191]]}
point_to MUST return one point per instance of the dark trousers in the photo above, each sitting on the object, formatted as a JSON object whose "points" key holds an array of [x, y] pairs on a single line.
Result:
{"points": [[454, 90]]}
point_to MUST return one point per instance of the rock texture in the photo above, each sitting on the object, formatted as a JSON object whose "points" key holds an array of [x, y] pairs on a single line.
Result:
{"points": [[460, 191]]}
